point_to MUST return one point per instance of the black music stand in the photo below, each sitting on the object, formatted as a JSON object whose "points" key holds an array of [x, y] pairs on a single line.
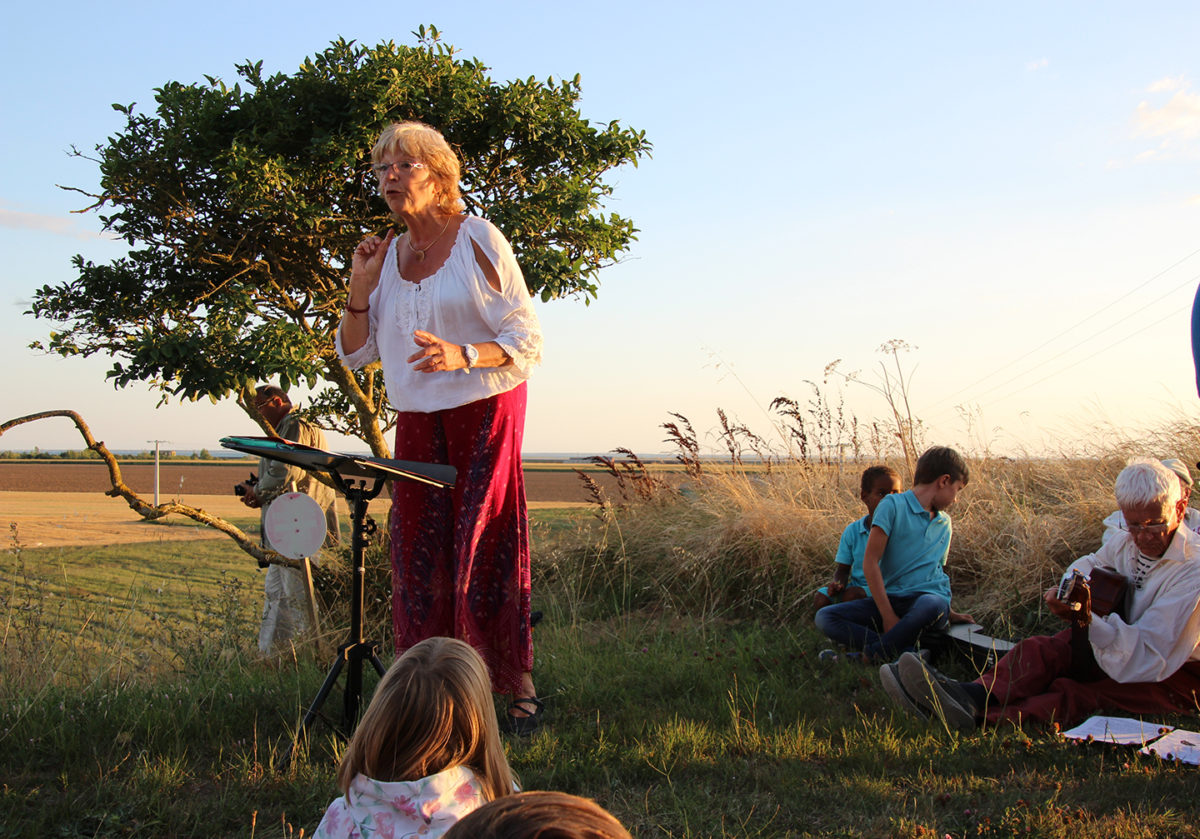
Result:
{"points": [[350, 474]]}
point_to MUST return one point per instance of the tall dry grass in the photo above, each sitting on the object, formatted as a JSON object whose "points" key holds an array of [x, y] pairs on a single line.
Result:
{"points": [[756, 533]]}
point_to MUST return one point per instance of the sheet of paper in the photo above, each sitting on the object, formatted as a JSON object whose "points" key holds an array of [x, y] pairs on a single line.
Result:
{"points": [[1180, 744], [1120, 730]]}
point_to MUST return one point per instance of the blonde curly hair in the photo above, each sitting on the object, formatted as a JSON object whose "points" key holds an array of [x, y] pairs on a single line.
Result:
{"points": [[421, 142]]}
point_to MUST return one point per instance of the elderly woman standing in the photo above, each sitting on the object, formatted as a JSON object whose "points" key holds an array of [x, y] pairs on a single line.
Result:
{"points": [[445, 309]]}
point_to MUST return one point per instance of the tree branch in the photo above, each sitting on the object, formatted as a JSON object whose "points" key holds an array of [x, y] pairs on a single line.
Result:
{"points": [[151, 512]]}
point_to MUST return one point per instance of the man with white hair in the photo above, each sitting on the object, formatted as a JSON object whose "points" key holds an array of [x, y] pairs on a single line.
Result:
{"points": [[1145, 663], [1114, 522]]}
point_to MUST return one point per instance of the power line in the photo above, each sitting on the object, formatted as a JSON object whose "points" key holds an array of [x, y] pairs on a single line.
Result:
{"points": [[958, 396], [1074, 364], [1093, 337]]}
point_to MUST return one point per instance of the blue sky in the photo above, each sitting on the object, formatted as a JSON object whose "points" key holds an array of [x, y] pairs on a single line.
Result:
{"points": [[1012, 189]]}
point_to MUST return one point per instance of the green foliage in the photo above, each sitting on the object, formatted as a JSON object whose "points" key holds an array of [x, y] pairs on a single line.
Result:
{"points": [[242, 204]]}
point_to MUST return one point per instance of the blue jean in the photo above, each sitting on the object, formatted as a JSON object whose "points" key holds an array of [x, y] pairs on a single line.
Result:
{"points": [[858, 624]]}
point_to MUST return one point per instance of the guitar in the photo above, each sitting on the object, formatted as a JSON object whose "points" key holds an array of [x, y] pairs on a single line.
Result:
{"points": [[1106, 587]]}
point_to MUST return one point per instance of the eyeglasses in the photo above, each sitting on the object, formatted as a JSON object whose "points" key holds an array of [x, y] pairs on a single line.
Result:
{"points": [[1146, 528], [404, 167]]}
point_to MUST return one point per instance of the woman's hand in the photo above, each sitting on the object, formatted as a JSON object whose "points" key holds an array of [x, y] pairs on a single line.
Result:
{"points": [[365, 268], [435, 354]]}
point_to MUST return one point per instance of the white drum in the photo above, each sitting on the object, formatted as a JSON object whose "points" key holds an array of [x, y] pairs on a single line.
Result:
{"points": [[295, 525]]}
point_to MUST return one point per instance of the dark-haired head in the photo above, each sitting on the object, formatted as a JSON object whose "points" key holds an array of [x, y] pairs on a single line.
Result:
{"points": [[938, 461], [876, 474]]}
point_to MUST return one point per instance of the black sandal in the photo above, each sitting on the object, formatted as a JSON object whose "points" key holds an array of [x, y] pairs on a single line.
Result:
{"points": [[521, 721]]}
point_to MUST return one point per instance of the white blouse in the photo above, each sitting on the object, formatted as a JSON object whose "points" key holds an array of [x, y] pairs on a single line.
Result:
{"points": [[456, 304]]}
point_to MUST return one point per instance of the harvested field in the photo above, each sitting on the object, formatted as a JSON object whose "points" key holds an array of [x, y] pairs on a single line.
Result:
{"points": [[57, 504], [53, 520]]}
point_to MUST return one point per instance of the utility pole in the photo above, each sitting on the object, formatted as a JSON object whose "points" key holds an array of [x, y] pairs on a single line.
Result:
{"points": [[156, 442]]}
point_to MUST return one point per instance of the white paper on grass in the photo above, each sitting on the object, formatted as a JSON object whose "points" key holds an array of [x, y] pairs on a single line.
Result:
{"points": [[1123, 731], [1179, 744]]}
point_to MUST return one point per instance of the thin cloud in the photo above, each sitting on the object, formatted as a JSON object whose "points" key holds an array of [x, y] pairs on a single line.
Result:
{"points": [[1166, 85], [1037, 64], [56, 225], [1178, 118]]}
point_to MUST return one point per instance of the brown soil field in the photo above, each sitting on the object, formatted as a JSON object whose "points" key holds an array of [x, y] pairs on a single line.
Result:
{"points": [[57, 504], [182, 480]]}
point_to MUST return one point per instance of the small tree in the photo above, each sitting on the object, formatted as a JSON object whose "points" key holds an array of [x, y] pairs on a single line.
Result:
{"points": [[241, 206]]}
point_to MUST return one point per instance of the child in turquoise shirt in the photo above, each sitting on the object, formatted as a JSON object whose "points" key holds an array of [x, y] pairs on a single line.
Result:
{"points": [[848, 582], [904, 564]]}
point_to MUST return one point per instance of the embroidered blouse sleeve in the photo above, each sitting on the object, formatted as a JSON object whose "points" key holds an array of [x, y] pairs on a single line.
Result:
{"points": [[508, 312], [369, 351]]}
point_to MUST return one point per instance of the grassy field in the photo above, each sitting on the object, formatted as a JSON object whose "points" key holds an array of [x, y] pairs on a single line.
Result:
{"points": [[677, 658]]}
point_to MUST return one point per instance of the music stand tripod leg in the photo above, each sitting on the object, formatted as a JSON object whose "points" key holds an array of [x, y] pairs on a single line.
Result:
{"points": [[356, 648], [350, 473], [322, 694], [379, 668]]}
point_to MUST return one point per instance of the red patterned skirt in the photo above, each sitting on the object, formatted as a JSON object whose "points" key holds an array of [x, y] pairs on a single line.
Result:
{"points": [[460, 558]]}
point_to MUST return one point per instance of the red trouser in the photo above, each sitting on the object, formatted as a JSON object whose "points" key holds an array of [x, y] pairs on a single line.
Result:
{"points": [[1029, 683]]}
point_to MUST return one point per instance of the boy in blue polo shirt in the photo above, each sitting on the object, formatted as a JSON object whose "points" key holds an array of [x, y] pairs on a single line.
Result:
{"points": [[904, 565], [848, 582]]}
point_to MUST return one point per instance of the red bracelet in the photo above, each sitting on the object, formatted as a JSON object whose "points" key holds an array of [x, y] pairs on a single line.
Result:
{"points": [[355, 311]]}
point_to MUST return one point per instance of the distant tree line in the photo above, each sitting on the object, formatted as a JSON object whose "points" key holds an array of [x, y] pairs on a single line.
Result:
{"points": [[88, 454]]}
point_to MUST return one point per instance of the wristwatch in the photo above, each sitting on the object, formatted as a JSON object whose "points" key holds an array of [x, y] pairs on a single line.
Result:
{"points": [[471, 355]]}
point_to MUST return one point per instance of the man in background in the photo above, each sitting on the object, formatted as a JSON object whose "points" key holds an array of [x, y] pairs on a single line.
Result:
{"points": [[285, 613]]}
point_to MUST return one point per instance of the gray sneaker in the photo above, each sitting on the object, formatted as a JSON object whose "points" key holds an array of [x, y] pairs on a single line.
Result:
{"points": [[889, 675], [950, 703], [833, 657]]}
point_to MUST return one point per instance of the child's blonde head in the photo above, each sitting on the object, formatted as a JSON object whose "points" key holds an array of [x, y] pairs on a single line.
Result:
{"points": [[432, 711]]}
